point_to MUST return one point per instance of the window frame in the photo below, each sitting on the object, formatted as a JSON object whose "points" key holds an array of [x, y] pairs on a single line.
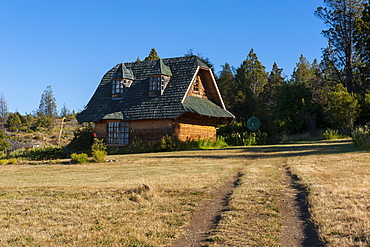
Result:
{"points": [[118, 133]]}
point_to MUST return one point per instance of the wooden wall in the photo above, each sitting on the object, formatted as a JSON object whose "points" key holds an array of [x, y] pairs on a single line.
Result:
{"points": [[185, 131], [151, 130], [188, 126]]}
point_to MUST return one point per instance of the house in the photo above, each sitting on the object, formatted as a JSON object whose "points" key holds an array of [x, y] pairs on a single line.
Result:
{"points": [[150, 99]]}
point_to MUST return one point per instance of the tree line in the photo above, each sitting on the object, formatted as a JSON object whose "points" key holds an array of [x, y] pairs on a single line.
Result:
{"points": [[43, 117], [331, 93]]}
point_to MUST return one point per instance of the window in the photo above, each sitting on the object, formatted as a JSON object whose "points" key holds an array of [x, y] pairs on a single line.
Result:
{"points": [[118, 133], [154, 83], [119, 87], [157, 84], [124, 129]]}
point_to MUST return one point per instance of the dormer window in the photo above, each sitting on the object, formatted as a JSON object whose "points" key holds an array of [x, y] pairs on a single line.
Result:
{"points": [[157, 84], [159, 77], [121, 80], [119, 87]]}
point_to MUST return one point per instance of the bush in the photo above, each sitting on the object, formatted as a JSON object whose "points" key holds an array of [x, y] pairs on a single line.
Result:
{"points": [[45, 153], [361, 137], [99, 156], [82, 141], [210, 144], [98, 150], [330, 134], [79, 158], [168, 143], [12, 161]]}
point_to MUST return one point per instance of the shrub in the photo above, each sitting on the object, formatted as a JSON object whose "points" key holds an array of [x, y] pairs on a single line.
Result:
{"points": [[79, 158], [98, 150], [361, 137], [45, 153], [330, 134], [211, 144], [99, 156], [82, 141], [12, 161]]}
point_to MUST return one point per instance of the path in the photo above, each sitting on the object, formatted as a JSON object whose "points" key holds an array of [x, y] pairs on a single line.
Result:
{"points": [[207, 215], [298, 230]]}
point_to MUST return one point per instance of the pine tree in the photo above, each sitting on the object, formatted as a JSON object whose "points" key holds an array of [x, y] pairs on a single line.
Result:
{"points": [[251, 74], [274, 80], [342, 17], [153, 55], [363, 46], [48, 105], [226, 85], [251, 78], [64, 112]]}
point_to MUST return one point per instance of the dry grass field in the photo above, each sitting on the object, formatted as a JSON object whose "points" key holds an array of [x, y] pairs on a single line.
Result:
{"points": [[106, 205]]}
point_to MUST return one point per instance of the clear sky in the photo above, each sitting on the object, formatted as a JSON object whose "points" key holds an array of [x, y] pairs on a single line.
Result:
{"points": [[71, 44]]}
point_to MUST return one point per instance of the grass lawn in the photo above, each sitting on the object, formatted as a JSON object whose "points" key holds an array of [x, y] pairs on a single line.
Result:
{"points": [[101, 205]]}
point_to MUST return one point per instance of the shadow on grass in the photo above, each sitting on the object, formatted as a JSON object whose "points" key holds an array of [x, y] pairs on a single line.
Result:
{"points": [[273, 151]]}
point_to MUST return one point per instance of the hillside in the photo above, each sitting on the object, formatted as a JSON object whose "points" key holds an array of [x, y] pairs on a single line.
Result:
{"points": [[43, 137]]}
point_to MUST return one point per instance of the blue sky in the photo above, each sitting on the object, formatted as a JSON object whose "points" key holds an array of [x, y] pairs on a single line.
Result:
{"points": [[70, 44]]}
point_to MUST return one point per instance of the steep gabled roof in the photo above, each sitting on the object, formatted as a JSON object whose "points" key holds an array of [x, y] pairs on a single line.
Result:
{"points": [[136, 103]]}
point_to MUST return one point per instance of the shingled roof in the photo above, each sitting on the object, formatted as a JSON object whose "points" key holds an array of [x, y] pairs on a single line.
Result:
{"points": [[136, 103]]}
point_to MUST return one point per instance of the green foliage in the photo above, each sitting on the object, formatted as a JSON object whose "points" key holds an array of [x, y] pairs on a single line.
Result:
{"points": [[82, 141], [246, 138], [331, 134], [342, 18], [295, 111], [153, 55], [3, 144], [12, 161], [342, 108], [81, 158], [168, 144], [45, 153], [361, 137], [250, 80], [48, 105], [98, 150]]}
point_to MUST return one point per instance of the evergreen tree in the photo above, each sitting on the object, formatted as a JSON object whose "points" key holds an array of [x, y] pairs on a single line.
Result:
{"points": [[274, 80], [363, 46], [3, 111], [153, 55], [48, 105], [64, 112], [303, 73], [342, 17], [251, 74], [294, 111], [226, 85], [14, 122], [251, 78]]}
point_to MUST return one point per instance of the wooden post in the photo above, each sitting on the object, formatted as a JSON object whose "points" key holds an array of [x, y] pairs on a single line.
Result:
{"points": [[60, 132]]}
